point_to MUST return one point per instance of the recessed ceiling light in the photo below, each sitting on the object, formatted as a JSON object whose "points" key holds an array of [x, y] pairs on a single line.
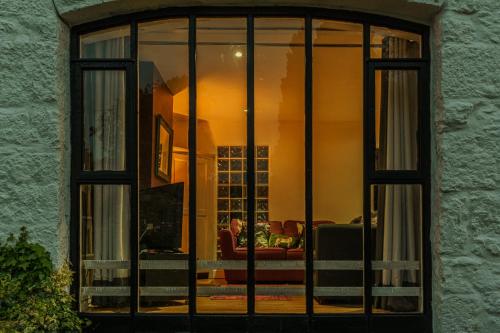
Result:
{"points": [[238, 54]]}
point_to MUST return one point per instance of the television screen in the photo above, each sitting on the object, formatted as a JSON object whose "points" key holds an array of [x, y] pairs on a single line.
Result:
{"points": [[160, 216]]}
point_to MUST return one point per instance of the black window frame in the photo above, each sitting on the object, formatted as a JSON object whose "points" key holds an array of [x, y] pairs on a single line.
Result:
{"points": [[308, 322]]}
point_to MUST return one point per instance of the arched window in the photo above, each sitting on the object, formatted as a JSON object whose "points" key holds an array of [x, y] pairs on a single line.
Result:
{"points": [[270, 165]]}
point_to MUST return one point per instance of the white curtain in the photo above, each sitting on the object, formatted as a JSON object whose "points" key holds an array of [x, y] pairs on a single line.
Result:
{"points": [[399, 220], [104, 149]]}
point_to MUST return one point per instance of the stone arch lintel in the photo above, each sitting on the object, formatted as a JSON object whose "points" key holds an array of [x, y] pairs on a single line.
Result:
{"points": [[77, 12]]}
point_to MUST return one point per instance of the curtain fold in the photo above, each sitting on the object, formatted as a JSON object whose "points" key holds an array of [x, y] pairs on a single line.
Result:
{"points": [[398, 213]]}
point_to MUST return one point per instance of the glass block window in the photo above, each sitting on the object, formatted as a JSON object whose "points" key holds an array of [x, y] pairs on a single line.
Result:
{"points": [[232, 184]]}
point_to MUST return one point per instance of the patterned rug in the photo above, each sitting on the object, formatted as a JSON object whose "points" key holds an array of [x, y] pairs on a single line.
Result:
{"points": [[257, 298]]}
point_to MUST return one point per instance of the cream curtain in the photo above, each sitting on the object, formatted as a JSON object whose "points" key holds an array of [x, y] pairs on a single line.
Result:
{"points": [[399, 220], [104, 149]]}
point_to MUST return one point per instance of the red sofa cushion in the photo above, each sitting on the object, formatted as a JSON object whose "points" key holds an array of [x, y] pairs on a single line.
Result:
{"points": [[263, 253]]}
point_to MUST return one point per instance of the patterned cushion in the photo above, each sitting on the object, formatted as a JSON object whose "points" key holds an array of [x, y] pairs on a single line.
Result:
{"points": [[261, 235], [283, 241]]}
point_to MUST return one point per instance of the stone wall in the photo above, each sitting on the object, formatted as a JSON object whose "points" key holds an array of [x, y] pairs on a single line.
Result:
{"points": [[34, 123], [34, 136], [466, 210]]}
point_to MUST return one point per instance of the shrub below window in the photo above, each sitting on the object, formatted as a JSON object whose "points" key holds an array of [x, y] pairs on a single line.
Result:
{"points": [[33, 296]]}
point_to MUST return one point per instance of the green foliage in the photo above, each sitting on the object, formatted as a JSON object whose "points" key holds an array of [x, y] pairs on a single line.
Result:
{"points": [[29, 263], [33, 296]]}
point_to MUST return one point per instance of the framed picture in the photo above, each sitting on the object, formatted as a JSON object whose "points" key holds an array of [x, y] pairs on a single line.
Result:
{"points": [[164, 143]]}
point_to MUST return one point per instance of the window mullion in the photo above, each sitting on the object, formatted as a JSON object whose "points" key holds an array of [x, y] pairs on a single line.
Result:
{"points": [[367, 139], [251, 169]]}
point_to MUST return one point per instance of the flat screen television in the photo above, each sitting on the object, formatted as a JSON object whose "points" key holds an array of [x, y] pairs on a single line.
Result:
{"points": [[160, 216]]}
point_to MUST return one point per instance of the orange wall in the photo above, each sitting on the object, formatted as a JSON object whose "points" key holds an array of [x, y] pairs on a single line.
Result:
{"points": [[338, 135]]}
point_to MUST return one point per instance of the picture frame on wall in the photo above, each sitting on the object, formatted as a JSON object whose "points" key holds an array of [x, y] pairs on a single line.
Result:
{"points": [[164, 144]]}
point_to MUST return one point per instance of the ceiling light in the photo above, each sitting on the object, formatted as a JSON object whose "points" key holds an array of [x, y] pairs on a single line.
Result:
{"points": [[238, 54]]}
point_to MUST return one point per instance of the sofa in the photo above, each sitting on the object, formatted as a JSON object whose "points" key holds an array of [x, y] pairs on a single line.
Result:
{"points": [[231, 251]]}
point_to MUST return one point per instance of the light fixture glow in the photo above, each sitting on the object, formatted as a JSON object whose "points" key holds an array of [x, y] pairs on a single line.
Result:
{"points": [[238, 54]]}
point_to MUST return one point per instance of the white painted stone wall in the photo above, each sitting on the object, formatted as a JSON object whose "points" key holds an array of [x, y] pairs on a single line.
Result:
{"points": [[34, 134]]}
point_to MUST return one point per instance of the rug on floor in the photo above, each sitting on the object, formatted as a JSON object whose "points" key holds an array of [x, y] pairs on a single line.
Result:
{"points": [[257, 298]]}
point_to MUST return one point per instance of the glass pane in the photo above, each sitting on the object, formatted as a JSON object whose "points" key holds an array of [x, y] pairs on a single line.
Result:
{"points": [[104, 251], [110, 43], [391, 43], [280, 140], [103, 120], [163, 166], [338, 166], [396, 119], [221, 156], [397, 218]]}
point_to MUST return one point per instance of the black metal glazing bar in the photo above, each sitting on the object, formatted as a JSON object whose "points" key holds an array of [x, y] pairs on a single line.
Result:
{"points": [[426, 189], [103, 64], [309, 167], [76, 124], [367, 162], [251, 170], [192, 166], [115, 177], [132, 154]]}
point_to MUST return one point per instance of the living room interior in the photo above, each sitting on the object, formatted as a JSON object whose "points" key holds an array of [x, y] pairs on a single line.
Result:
{"points": [[221, 193]]}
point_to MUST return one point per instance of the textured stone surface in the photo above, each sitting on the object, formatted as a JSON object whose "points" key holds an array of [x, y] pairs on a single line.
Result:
{"points": [[466, 223], [34, 135], [33, 123]]}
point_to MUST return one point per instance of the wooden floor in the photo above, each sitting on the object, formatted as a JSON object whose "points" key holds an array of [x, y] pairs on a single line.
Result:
{"points": [[293, 304]]}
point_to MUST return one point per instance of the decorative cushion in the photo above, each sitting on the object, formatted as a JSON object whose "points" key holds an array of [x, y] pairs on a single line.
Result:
{"points": [[283, 241], [241, 240], [300, 229], [302, 242], [262, 233]]}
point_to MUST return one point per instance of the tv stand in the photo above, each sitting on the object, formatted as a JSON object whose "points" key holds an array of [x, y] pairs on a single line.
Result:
{"points": [[162, 278]]}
